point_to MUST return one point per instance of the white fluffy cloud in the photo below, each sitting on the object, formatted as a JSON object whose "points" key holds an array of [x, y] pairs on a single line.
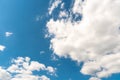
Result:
{"points": [[22, 69], [2, 48], [94, 78], [4, 75], [94, 40], [7, 34]]}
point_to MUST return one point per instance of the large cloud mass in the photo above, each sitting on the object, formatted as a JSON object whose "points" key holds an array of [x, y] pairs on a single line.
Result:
{"points": [[93, 40]]}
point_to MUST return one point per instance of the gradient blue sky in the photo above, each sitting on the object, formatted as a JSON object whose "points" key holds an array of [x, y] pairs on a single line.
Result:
{"points": [[28, 38]]}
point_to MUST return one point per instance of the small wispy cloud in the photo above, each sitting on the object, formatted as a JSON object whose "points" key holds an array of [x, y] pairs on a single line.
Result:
{"points": [[53, 6], [7, 34], [42, 52], [54, 57], [2, 48], [38, 18]]}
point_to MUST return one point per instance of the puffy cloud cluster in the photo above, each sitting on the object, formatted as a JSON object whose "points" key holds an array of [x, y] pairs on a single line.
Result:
{"points": [[93, 40], [22, 69]]}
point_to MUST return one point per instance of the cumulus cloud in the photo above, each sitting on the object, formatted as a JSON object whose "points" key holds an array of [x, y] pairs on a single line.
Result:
{"points": [[93, 40], [22, 69], [2, 48], [4, 75], [7, 34]]}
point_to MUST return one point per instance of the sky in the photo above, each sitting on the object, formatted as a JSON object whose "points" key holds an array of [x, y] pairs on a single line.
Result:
{"points": [[59, 40]]}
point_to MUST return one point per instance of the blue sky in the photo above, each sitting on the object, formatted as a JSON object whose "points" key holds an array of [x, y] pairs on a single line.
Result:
{"points": [[27, 21]]}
